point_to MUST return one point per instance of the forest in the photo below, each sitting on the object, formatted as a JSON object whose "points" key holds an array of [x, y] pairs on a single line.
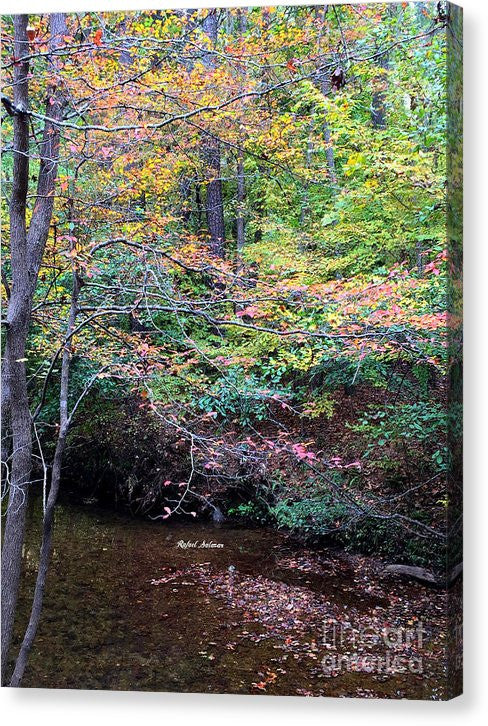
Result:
{"points": [[231, 286]]}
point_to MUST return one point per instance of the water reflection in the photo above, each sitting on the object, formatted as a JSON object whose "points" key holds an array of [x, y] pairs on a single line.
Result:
{"points": [[105, 624]]}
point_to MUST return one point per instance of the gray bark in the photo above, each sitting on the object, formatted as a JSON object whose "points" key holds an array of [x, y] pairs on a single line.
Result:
{"points": [[329, 154], [15, 406], [260, 205], [425, 576], [325, 88], [211, 154], [416, 573], [48, 521], [214, 205], [241, 184], [26, 251], [305, 208], [185, 188], [378, 103], [241, 200]]}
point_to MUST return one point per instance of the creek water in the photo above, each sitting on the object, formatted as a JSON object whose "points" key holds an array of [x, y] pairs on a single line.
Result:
{"points": [[139, 605]]}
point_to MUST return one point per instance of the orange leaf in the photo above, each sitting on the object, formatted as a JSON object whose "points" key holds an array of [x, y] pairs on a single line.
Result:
{"points": [[97, 39]]}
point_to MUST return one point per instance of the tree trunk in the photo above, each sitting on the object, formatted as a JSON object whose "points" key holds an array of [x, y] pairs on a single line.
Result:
{"points": [[211, 155], [260, 205], [47, 532], [378, 103], [185, 188], [15, 406], [329, 155], [241, 184], [26, 251], [241, 199], [214, 205], [325, 88], [199, 207], [305, 207]]}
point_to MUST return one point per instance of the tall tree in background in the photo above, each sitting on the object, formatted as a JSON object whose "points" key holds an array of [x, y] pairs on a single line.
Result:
{"points": [[325, 87], [378, 108], [214, 202], [380, 82], [241, 184], [380, 85]]}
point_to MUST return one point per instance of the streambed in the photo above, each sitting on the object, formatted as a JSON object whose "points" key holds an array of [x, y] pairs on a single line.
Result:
{"points": [[171, 606]]}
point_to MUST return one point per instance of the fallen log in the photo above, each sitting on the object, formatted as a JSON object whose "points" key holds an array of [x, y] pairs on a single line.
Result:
{"points": [[423, 575], [416, 573]]}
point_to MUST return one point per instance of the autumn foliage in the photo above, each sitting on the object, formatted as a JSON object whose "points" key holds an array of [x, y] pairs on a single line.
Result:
{"points": [[296, 375]]}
